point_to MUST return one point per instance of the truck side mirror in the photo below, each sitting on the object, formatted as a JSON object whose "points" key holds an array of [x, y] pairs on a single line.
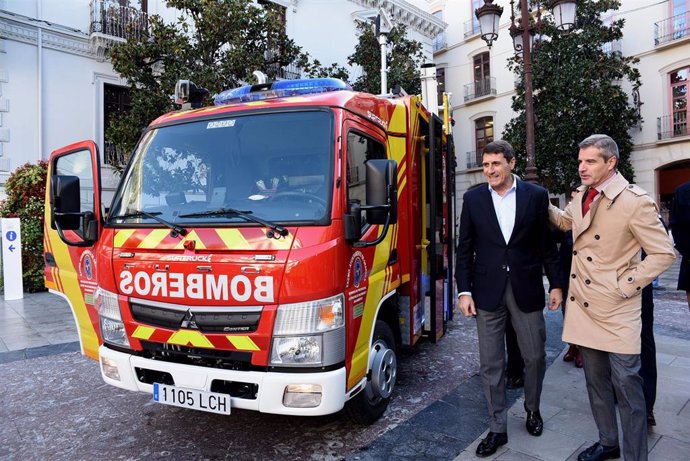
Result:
{"points": [[66, 214], [353, 222], [382, 191], [382, 202], [65, 202]]}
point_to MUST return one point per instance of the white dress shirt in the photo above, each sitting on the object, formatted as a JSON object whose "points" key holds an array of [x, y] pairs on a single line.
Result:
{"points": [[505, 209]]}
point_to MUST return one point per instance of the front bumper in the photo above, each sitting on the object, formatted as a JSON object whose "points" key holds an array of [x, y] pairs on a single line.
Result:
{"points": [[270, 385]]}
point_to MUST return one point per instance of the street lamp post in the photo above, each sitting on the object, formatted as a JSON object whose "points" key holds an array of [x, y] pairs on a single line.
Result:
{"points": [[522, 32]]}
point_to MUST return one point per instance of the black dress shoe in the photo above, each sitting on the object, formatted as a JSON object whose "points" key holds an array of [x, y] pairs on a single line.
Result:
{"points": [[490, 444], [534, 423], [599, 452], [515, 383], [651, 421]]}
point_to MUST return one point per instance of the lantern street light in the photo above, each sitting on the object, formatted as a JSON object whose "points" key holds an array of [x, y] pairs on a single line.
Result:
{"points": [[522, 32]]}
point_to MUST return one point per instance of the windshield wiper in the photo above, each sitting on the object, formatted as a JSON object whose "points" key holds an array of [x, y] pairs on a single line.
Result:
{"points": [[275, 228], [175, 229]]}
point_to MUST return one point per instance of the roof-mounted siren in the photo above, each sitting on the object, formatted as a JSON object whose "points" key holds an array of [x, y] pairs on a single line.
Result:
{"points": [[429, 87], [189, 95], [280, 89]]}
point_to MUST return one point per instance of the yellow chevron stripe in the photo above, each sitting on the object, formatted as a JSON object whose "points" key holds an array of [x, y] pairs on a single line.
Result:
{"points": [[121, 237], [191, 236], [190, 337], [243, 343], [154, 239], [143, 332], [402, 185], [233, 238], [402, 168]]}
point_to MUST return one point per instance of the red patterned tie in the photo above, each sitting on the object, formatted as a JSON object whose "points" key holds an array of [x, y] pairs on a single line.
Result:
{"points": [[591, 193]]}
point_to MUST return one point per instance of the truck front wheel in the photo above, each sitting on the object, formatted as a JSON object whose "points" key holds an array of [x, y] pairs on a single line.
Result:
{"points": [[368, 406]]}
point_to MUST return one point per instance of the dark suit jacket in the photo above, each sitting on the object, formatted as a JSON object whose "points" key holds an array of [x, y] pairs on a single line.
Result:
{"points": [[680, 226], [484, 257]]}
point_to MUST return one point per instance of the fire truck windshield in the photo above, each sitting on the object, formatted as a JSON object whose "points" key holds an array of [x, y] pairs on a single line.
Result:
{"points": [[277, 167]]}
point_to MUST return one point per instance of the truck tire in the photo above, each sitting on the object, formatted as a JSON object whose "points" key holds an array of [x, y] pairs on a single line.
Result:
{"points": [[368, 406]]}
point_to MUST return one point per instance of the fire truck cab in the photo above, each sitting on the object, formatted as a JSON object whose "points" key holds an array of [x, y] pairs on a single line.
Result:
{"points": [[272, 252]]}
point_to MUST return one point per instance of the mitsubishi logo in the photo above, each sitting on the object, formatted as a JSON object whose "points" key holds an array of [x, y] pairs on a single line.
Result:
{"points": [[189, 321]]}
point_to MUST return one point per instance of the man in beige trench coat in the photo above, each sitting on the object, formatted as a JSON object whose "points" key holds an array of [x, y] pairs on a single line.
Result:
{"points": [[611, 221]]}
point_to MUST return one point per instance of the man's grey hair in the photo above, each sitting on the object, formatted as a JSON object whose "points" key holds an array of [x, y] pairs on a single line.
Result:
{"points": [[606, 145], [500, 147]]}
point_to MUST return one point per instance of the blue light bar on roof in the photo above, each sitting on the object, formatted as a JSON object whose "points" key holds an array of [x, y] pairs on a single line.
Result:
{"points": [[280, 89]]}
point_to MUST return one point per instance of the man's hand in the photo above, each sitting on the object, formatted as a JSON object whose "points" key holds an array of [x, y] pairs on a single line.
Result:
{"points": [[467, 306], [555, 299]]}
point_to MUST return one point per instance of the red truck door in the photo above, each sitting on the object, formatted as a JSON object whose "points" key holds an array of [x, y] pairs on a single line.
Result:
{"points": [[71, 269]]}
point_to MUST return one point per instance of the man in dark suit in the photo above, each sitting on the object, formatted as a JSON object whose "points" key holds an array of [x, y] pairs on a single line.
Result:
{"points": [[680, 227], [504, 242]]}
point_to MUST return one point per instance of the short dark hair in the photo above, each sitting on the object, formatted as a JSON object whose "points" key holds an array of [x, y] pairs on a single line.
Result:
{"points": [[500, 147]]}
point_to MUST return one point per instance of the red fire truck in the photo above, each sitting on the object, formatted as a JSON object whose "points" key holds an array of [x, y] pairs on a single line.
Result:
{"points": [[272, 252]]}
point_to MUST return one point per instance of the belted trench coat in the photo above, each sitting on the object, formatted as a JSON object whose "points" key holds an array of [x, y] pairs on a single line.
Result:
{"points": [[607, 276]]}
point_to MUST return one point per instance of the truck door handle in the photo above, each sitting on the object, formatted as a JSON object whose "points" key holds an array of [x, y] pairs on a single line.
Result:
{"points": [[50, 260]]}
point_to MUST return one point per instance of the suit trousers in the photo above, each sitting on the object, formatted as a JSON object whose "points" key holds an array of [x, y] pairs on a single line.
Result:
{"points": [[602, 369], [648, 352], [531, 336]]}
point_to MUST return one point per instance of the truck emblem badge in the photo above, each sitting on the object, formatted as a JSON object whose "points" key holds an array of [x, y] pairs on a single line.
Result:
{"points": [[86, 265], [357, 270], [189, 321]]}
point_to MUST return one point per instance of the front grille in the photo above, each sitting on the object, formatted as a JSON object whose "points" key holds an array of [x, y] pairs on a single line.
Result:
{"points": [[207, 321], [211, 358]]}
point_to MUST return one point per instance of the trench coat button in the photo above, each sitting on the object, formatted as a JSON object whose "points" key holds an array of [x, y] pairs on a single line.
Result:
{"points": [[588, 281], [638, 288], [596, 237], [630, 279], [572, 298], [586, 304], [630, 186], [589, 258], [572, 275], [503, 267], [574, 252]]}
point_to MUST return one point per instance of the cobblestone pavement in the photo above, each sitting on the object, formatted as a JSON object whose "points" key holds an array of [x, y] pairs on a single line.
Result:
{"points": [[54, 405]]}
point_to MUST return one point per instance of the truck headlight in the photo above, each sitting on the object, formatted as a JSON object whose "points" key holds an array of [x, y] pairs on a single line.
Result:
{"points": [[311, 333], [112, 327]]}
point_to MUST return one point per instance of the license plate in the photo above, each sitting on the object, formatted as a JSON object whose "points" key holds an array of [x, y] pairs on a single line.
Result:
{"points": [[212, 402]]}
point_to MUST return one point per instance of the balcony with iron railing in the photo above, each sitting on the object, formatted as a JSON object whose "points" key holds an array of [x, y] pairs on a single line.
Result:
{"points": [[673, 30], [439, 43], [672, 126], [480, 89], [112, 23], [474, 160], [471, 28]]}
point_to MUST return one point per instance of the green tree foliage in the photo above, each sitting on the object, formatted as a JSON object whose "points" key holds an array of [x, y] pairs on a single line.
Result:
{"points": [[217, 44], [404, 58], [578, 91], [26, 188]]}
